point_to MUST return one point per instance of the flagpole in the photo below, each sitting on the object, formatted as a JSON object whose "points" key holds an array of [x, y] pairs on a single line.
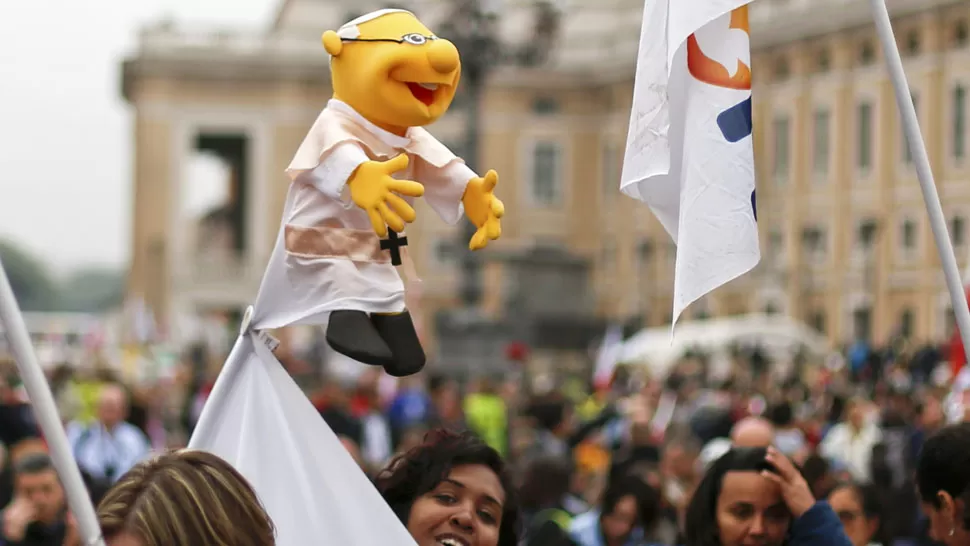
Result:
{"points": [[907, 111], [45, 412]]}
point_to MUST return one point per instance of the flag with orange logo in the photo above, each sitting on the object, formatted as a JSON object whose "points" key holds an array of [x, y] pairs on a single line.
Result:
{"points": [[689, 154]]}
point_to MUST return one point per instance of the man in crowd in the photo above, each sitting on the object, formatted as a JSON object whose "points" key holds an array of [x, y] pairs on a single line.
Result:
{"points": [[37, 515], [110, 446], [753, 432]]}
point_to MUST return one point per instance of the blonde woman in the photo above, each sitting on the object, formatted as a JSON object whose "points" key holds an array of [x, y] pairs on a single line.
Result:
{"points": [[184, 498]]}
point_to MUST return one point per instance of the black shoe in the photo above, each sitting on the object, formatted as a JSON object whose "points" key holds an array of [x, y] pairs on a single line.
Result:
{"points": [[399, 334], [352, 334]]}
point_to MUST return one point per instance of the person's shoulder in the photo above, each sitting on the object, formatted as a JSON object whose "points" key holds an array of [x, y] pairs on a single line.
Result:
{"points": [[819, 525], [585, 519], [837, 430], [585, 527], [131, 432]]}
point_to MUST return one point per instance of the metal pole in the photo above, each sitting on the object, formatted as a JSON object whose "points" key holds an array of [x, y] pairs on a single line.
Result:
{"points": [[904, 101], [45, 411], [475, 59], [471, 290]]}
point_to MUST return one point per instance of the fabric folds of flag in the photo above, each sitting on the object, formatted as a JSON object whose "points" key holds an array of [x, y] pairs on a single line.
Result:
{"points": [[689, 153], [608, 357], [259, 420]]}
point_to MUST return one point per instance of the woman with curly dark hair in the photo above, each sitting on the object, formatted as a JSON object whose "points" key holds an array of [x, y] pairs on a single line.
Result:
{"points": [[452, 490]]}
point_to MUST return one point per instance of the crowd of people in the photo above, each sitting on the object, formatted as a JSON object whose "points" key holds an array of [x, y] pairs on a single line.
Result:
{"points": [[647, 461]]}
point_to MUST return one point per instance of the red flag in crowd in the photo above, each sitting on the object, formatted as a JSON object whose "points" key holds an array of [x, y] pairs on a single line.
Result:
{"points": [[958, 354]]}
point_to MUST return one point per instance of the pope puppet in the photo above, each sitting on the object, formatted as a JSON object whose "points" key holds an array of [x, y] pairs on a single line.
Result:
{"points": [[354, 180]]}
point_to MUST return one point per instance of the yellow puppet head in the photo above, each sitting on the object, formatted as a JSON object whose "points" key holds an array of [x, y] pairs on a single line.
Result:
{"points": [[392, 70]]}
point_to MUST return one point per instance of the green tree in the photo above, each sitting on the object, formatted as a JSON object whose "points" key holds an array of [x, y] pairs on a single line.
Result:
{"points": [[32, 284], [92, 290]]}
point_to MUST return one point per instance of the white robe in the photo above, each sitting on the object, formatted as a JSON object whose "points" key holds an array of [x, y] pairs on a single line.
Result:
{"points": [[327, 256]]}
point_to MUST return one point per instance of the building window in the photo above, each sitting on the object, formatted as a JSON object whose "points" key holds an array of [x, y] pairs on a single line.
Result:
{"points": [[782, 151], [820, 142], [671, 253], [867, 234], [907, 235], [443, 251], [912, 42], [958, 231], [546, 172], [862, 323], [776, 244], [701, 310], [782, 70], [608, 256], [907, 149], [960, 33], [824, 61], [906, 323], [867, 53], [817, 321], [644, 252], [864, 144], [456, 147], [949, 322], [545, 106], [959, 121], [610, 158], [813, 243]]}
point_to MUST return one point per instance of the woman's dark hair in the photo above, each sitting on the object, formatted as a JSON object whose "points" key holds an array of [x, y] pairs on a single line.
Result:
{"points": [[869, 498], [647, 498], [418, 471], [548, 414], [546, 482], [814, 470], [781, 415], [836, 409], [437, 382], [944, 464], [701, 521], [880, 468], [965, 497]]}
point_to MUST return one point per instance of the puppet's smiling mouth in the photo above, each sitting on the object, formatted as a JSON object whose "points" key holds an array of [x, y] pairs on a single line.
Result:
{"points": [[424, 92]]}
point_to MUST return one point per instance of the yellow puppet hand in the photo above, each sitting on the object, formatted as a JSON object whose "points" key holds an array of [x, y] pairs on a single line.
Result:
{"points": [[483, 209], [372, 188]]}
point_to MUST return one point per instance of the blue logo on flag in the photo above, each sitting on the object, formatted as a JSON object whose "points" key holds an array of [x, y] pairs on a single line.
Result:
{"points": [[735, 122]]}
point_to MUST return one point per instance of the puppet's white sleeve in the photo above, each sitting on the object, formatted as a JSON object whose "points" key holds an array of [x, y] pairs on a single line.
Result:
{"points": [[444, 188], [332, 174]]}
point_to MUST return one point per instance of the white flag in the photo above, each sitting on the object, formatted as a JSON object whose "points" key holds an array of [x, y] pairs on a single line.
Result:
{"points": [[689, 154], [259, 420], [608, 356]]}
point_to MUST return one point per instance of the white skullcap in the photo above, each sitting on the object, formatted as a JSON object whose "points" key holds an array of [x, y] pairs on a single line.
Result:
{"points": [[350, 30]]}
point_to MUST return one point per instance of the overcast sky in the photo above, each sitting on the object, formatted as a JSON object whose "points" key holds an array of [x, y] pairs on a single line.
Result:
{"points": [[65, 147]]}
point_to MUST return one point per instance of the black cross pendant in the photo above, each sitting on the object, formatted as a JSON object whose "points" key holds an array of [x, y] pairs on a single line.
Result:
{"points": [[393, 245]]}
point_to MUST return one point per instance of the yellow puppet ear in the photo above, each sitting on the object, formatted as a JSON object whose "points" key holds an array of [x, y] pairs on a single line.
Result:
{"points": [[332, 43]]}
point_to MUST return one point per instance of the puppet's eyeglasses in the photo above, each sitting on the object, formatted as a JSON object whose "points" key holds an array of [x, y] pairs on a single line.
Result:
{"points": [[413, 39]]}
